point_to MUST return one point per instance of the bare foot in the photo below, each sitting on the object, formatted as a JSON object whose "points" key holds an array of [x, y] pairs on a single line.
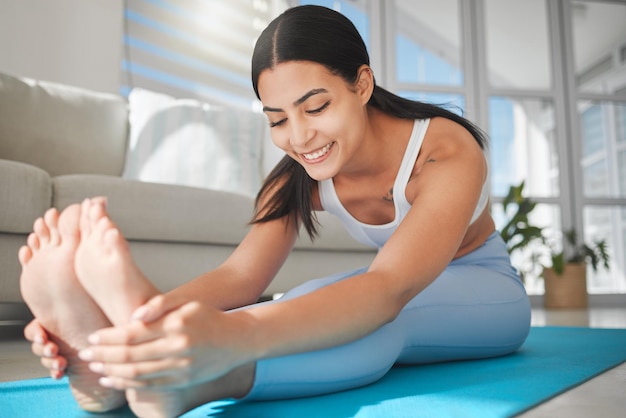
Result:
{"points": [[172, 403], [106, 268], [108, 272], [52, 292]]}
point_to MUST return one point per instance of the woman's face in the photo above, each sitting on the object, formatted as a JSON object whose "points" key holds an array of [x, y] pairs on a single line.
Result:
{"points": [[315, 116]]}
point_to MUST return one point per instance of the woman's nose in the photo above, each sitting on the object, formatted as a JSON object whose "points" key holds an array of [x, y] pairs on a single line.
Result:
{"points": [[301, 133]]}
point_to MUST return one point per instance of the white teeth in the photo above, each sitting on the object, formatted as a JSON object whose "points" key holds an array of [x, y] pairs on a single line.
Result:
{"points": [[318, 154]]}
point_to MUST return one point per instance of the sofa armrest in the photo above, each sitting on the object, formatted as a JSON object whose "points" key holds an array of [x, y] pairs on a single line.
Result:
{"points": [[25, 193]]}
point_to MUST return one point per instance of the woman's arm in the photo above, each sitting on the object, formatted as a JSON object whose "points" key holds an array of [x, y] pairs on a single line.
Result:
{"points": [[241, 279], [245, 274]]}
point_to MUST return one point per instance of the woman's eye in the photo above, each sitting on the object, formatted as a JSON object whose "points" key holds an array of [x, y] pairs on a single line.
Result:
{"points": [[277, 123], [319, 109]]}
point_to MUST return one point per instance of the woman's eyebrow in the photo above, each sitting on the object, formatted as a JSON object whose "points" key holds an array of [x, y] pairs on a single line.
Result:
{"points": [[309, 94], [297, 102]]}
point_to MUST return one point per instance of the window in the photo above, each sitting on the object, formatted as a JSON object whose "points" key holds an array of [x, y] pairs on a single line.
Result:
{"points": [[598, 45], [427, 42], [517, 40], [522, 134]]}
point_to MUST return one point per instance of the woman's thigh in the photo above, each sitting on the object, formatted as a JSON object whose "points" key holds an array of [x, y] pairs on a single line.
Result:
{"points": [[469, 312]]}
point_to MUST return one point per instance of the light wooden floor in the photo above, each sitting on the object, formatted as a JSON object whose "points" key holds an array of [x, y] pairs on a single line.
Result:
{"points": [[601, 397]]}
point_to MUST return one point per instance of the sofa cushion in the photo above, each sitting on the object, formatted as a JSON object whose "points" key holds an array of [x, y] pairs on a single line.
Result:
{"points": [[11, 269], [187, 142], [25, 193], [62, 129], [161, 212]]}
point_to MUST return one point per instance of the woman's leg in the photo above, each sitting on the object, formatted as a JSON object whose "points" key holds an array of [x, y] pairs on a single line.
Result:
{"points": [[477, 308]]}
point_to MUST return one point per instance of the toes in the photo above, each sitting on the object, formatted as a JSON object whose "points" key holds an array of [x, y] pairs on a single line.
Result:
{"points": [[111, 236], [41, 230], [24, 255], [69, 221], [94, 218], [97, 211], [100, 200], [33, 241], [84, 224], [51, 218]]}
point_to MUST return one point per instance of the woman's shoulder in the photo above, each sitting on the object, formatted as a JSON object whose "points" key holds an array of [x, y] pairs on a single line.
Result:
{"points": [[440, 126], [447, 136]]}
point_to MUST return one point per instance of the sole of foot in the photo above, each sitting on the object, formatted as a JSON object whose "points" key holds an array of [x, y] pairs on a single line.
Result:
{"points": [[105, 266], [53, 293]]}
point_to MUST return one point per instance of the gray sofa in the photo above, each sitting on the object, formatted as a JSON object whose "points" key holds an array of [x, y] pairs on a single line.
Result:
{"points": [[60, 144]]}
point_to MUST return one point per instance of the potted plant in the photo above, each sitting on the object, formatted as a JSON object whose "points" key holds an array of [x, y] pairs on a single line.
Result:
{"points": [[566, 281], [519, 233]]}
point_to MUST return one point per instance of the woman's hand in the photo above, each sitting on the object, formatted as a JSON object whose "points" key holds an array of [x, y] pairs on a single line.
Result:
{"points": [[45, 349], [191, 344]]}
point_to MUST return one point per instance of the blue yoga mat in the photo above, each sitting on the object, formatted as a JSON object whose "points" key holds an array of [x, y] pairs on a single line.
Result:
{"points": [[553, 360]]}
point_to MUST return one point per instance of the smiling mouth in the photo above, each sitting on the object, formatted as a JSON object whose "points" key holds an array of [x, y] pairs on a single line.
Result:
{"points": [[319, 153]]}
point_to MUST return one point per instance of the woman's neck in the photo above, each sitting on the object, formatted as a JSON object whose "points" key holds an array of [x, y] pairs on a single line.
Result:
{"points": [[382, 149]]}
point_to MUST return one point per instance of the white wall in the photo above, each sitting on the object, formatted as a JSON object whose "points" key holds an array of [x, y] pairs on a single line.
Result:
{"points": [[76, 42]]}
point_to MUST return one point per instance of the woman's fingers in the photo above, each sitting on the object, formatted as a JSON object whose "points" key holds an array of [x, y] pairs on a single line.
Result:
{"points": [[120, 383], [184, 346], [56, 365], [138, 332], [43, 350], [135, 332], [35, 333], [46, 350], [49, 358], [170, 346], [40, 346], [156, 307], [170, 373]]}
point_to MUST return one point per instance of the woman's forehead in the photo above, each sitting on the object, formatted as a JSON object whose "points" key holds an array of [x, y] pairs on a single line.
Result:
{"points": [[289, 81]]}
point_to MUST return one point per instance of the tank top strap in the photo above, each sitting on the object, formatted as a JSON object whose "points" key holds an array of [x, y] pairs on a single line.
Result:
{"points": [[406, 167]]}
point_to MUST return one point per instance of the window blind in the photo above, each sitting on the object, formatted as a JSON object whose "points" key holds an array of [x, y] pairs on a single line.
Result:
{"points": [[194, 48]]}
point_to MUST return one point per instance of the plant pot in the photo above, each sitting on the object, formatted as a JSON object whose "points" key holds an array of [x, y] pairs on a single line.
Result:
{"points": [[567, 290]]}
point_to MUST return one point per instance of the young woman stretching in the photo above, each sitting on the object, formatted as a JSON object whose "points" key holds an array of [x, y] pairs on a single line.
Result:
{"points": [[405, 177]]}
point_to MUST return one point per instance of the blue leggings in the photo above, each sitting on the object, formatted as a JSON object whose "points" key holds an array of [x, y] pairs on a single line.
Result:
{"points": [[476, 308]]}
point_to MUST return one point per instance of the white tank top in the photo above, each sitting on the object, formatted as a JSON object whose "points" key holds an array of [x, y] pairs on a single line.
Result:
{"points": [[377, 235]]}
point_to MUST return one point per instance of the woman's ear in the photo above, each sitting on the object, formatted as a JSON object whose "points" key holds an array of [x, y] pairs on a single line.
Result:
{"points": [[365, 83]]}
